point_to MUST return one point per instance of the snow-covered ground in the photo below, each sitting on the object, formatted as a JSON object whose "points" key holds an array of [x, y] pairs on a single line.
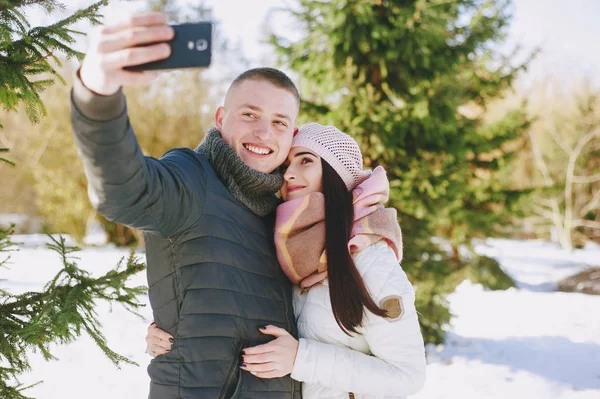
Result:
{"points": [[528, 342]]}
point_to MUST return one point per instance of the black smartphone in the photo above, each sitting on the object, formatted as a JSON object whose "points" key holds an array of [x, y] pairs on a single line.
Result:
{"points": [[190, 47]]}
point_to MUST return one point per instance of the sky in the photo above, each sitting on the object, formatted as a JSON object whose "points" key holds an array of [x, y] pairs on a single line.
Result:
{"points": [[566, 31]]}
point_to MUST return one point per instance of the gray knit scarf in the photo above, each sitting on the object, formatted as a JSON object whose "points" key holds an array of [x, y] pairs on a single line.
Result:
{"points": [[255, 190]]}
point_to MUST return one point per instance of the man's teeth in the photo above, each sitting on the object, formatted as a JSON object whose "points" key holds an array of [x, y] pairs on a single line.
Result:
{"points": [[257, 150]]}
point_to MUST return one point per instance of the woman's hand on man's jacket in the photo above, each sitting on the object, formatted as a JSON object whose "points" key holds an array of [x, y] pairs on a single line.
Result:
{"points": [[274, 359], [158, 342]]}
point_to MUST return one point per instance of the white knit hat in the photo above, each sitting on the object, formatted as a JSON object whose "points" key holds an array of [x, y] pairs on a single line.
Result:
{"points": [[337, 148]]}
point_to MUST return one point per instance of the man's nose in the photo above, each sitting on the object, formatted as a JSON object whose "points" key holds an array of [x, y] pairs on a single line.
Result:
{"points": [[262, 130]]}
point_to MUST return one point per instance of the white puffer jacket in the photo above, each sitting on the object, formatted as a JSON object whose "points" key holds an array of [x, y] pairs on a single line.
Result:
{"points": [[387, 358]]}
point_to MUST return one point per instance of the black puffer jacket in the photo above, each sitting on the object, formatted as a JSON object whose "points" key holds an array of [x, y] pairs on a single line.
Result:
{"points": [[212, 269]]}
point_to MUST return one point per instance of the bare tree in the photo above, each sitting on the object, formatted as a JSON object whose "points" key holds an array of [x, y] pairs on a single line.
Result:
{"points": [[565, 210]]}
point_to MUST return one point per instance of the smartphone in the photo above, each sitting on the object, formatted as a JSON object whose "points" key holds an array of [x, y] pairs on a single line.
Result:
{"points": [[191, 47]]}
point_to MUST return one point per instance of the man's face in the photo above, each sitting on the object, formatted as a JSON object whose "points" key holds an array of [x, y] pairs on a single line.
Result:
{"points": [[258, 122]]}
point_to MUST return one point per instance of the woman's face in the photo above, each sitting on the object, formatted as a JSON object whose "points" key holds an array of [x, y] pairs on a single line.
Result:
{"points": [[303, 174]]}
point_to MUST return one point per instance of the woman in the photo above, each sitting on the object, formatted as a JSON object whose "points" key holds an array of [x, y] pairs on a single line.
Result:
{"points": [[358, 327]]}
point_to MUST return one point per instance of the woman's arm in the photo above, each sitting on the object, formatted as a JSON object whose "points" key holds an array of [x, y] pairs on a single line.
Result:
{"points": [[397, 364]]}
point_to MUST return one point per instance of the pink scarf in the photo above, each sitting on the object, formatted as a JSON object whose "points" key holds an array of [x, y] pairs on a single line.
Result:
{"points": [[300, 229]]}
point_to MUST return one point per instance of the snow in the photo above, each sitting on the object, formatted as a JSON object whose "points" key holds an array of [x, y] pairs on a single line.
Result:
{"points": [[525, 342], [519, 344]]}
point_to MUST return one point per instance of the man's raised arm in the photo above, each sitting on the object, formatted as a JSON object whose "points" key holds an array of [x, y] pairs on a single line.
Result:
{"points": [[123, 185]]}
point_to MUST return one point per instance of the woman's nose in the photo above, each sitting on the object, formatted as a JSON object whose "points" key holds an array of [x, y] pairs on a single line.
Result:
{"points": [[289, 174]]}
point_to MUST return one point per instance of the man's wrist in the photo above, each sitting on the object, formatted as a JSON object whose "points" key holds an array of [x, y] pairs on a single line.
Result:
{"points": [[96, 106]]}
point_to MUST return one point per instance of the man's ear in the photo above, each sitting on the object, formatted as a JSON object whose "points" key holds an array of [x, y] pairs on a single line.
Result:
{"points": [[219, 115]]}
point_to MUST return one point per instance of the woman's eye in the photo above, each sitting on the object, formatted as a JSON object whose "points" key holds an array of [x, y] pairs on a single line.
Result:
{"points": [[306, 160]]}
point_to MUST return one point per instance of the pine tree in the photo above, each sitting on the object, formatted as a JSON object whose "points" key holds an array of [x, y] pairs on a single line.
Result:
{"points": [[64, 309], [410, 80]]}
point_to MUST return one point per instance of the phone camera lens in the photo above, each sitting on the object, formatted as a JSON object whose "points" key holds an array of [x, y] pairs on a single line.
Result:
{"points": [[201, 44]]}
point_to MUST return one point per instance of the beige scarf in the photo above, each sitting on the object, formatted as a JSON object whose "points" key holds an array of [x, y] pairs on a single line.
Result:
{"points": [[300, 229]]}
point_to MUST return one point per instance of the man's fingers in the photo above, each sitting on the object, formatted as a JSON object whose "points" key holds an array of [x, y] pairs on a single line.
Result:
{"points": [[134, 36], [135, 56], [146, 19], [123, 45]]}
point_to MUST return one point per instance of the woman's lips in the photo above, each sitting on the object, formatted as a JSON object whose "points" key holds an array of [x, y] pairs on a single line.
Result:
{"points": [[291, 189]]}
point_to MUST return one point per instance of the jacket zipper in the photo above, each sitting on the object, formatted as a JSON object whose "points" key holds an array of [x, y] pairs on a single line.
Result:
{"points": [[238, 387], [232, 372], [289, 328]]}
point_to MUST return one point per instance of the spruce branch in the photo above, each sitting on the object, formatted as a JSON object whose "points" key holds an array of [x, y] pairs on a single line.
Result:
{"points": [[27, 52], [64, 310], [12, 392]]}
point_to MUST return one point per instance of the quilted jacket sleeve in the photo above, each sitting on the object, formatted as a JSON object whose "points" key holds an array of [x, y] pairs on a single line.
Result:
{"points": [[156, 196], [397, 364]]}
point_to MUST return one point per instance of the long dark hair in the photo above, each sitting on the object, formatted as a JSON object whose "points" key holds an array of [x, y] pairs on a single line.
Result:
{"points": [[347, 290]]}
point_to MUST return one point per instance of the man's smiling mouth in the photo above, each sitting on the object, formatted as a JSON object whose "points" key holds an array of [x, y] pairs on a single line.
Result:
{"points": [[257, 150]]}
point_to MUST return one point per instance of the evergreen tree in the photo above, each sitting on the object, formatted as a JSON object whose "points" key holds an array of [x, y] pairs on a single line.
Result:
{"points": [[410, 80], [64, 309]]}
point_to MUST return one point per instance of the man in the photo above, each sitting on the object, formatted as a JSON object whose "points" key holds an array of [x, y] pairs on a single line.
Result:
{"points": [[212, 270]]}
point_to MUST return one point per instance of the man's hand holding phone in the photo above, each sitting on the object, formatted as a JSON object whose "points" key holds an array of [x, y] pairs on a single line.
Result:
{"points": [[129, 54], [141, 40]]}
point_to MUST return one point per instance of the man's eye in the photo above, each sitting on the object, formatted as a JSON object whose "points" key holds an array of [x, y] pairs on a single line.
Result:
{"points": [[281, 123], [249, 114]]}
